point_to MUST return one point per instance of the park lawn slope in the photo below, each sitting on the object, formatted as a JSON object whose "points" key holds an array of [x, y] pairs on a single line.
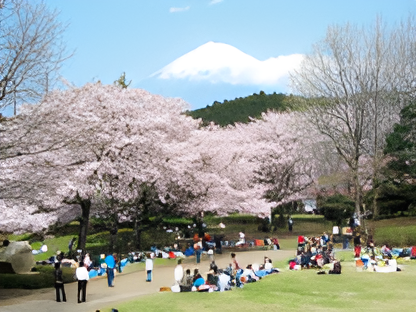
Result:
{"points": [[297, 291]]}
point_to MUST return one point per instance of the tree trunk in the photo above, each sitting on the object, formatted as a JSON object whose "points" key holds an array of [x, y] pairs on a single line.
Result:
{"points": [[375, 198], [137, 234], [113, 238], [83, 223], [357, 187]]}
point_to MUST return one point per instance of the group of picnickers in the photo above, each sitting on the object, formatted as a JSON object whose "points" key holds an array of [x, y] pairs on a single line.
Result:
{"points": [[315, 252], [220, 279]]}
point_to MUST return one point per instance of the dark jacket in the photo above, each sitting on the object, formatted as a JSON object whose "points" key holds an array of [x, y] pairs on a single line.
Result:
{"points": [[58, 276]]}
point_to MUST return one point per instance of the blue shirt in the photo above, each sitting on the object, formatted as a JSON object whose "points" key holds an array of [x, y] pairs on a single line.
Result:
{"points": [[198, 282]]}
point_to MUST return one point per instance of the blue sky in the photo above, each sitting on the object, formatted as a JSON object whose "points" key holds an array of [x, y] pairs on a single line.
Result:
{"points": [[142, 37]]}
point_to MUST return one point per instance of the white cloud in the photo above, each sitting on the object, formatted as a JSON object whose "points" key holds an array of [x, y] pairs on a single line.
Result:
{"points": [[222, 63], [176, 10], [212, 2]]}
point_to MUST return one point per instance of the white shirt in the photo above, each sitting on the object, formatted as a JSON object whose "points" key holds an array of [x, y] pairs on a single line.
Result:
{"points": [[82, 274], [87, 261], [178, 273], [149, 264], [223, 281]]}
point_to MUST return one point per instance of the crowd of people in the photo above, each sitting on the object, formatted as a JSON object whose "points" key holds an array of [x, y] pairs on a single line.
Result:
{"points": [[315, 252], [220, 279], [215, 279]]}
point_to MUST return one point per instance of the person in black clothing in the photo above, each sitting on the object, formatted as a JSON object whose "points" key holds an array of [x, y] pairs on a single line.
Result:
{"points": [[59, 283], [218, 246], [82, 277]]}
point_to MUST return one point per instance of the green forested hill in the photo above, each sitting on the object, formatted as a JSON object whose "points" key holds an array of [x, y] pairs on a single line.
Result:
{"points": [[239, 110]]}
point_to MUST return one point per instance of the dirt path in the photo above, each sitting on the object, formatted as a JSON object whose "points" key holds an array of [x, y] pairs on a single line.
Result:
{"points": [[127, 286]]}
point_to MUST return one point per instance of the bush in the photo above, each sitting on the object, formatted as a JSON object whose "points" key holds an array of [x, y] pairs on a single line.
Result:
{"points": [[156, 237], [264, 226], [43, 277], [240, 219], [336, 208], [177, 222]]}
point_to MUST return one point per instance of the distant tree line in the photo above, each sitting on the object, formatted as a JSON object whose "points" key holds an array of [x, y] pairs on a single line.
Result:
{"points": [[241, 109]]}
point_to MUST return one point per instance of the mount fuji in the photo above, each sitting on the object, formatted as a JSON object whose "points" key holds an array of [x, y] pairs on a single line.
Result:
{"points": [[216, 71]]}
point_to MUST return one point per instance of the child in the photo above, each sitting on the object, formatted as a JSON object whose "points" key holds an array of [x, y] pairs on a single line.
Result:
{"points": [[149, 267]]}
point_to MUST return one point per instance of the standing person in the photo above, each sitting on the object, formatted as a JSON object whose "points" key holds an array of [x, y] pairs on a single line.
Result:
{"points": [[357, 245], [59, 283], [82, 277], [235, 262], [198, 250], [179, 272], [370, 246], [70, 246], [149, 267], [218, 246], [290, 224], [111, 263]]}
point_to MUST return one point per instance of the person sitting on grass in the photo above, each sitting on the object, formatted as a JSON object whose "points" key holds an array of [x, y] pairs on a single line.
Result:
{"points": [[198, 280], [242, 240], [187, 279], [248, 273], [224, 281], [336, 269]]}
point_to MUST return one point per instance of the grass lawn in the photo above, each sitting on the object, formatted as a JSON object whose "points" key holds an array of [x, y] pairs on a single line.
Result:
{"points": [[297, 291]]}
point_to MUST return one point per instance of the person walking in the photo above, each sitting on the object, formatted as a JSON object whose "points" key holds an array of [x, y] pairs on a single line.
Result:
{"points": [[82, 277], [111, 263], [59, 283], [235, 262], [149, 267]]}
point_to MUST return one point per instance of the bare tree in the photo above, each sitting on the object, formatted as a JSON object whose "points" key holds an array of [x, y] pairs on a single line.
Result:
{"points": [[31, 51], [353, 87]]}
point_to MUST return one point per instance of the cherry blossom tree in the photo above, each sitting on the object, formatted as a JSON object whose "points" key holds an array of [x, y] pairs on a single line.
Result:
{"points": [[123, 153], [98, 131], [258, 165]]}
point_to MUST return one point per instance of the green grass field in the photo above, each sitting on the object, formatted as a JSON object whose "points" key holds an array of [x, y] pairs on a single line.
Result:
{"points": [[297, 291]]}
